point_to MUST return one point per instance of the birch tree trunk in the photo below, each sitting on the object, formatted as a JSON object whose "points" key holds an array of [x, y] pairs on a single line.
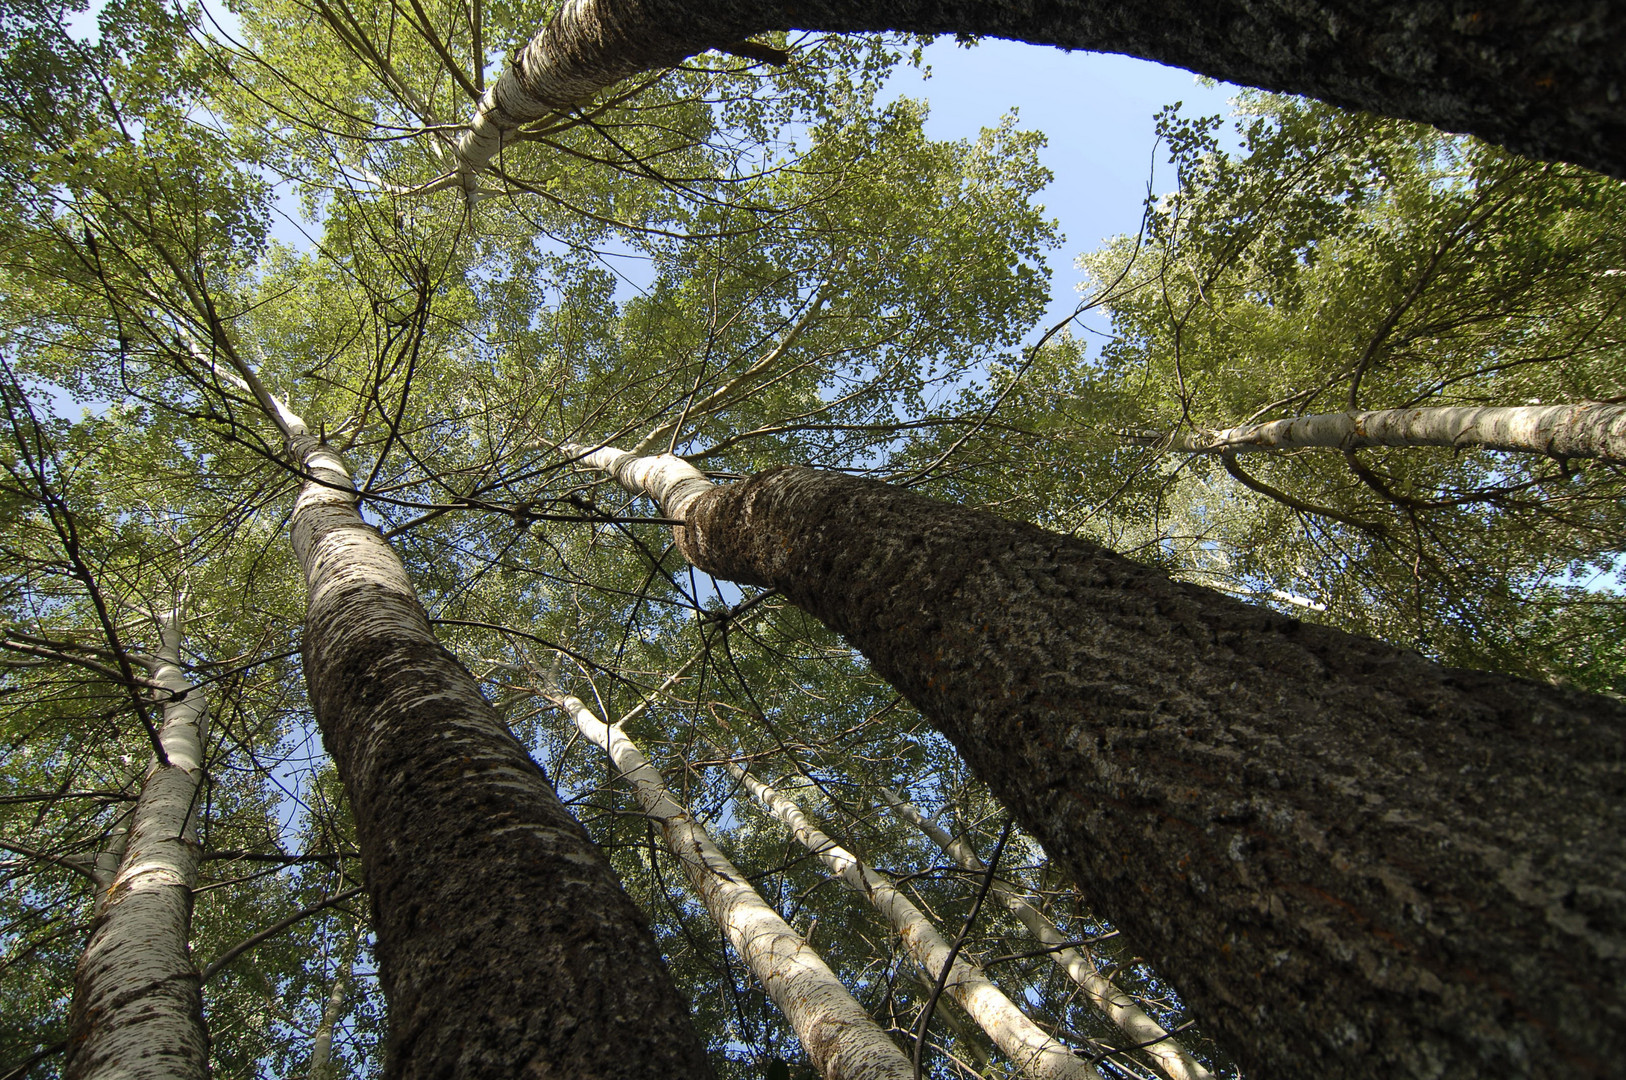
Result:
{"points": [[840, 1038], [505, 944], [104, 868], [338, 999], [1020, 1039], [138, 1002], [1542, 77], [1170, 1057], [1564, 431], [1348, 860]]}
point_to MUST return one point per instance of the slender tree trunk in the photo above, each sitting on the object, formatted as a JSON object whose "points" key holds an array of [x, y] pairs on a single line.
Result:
{"points": [[104, 868], [505, 944], [1348, 860], [1165, 1050], [840, 1038], [971, 1038], [1030, 1049], [1564, 431], [138, 1002], [338, 999], [1546, 78]]}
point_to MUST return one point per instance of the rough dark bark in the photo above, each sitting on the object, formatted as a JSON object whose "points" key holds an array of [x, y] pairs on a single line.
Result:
{"points": [[1350, 861], [506, 947], [1545, 78]]}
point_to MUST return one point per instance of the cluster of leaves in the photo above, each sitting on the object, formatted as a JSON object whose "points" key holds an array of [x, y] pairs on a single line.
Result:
{"points": [[812, 278], [749, 267], [1334, 262]]}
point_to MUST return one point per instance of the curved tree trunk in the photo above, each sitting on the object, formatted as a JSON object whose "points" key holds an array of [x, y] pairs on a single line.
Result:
{"points": [[138, 1001], [841, 1039], [1171, 1058], [1350, 861], [1564, 431], [505, 945], [1033, 1052], [1545, 78]]}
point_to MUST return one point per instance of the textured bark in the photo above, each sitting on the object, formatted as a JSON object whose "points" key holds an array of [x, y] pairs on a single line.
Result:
{"points": [[1350, 861], [1169, 1057], [840, 1038], [1546, 78], [137, 1001], [1029, 1048], [505, 945], [1565, 431]]}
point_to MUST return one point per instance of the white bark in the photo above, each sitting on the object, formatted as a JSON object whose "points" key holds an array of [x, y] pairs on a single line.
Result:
{"points": [[577, 54], [1171, 1058], [104, 869], [841, 1039], [669, 480], [137, 1009], [1565, 431], [1034, 1052], [338, 999], [334, 547]]}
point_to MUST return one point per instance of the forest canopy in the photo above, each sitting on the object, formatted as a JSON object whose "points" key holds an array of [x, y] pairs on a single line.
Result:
{"points": [[820, 284]]}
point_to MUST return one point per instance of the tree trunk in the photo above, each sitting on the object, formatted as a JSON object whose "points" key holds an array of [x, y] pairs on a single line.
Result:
{"points": [[1563, 431], [1033, 1052], [841, 1039], [137, 1001], [1169, 1057], [1350, 862], [505, 945], [1545, 78], [338, 999]]}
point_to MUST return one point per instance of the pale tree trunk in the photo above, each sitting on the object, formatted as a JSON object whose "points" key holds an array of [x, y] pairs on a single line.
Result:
{"points": [[1348, 860], [1029, 1048], [970, 1036], [104, 868], [1170, 1057], [1543, 77], [138, 1002], [1562, 431], [338, 999], [840, 1038]]}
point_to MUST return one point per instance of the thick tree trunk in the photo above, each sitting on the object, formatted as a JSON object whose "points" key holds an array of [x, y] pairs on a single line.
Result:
{"points": [[1546, 78], [1564, 431], [505, 945], [1169, 1057], [1350, 861], [841, 1039], [1033, 1052], [138, 1002]]}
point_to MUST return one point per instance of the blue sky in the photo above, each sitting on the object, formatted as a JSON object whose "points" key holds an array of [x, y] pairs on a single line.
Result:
{"points": [[1095, 108]]}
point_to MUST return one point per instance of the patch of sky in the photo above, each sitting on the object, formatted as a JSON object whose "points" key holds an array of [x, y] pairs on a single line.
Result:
{"points": [[85, 25], [1096, 110]]}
